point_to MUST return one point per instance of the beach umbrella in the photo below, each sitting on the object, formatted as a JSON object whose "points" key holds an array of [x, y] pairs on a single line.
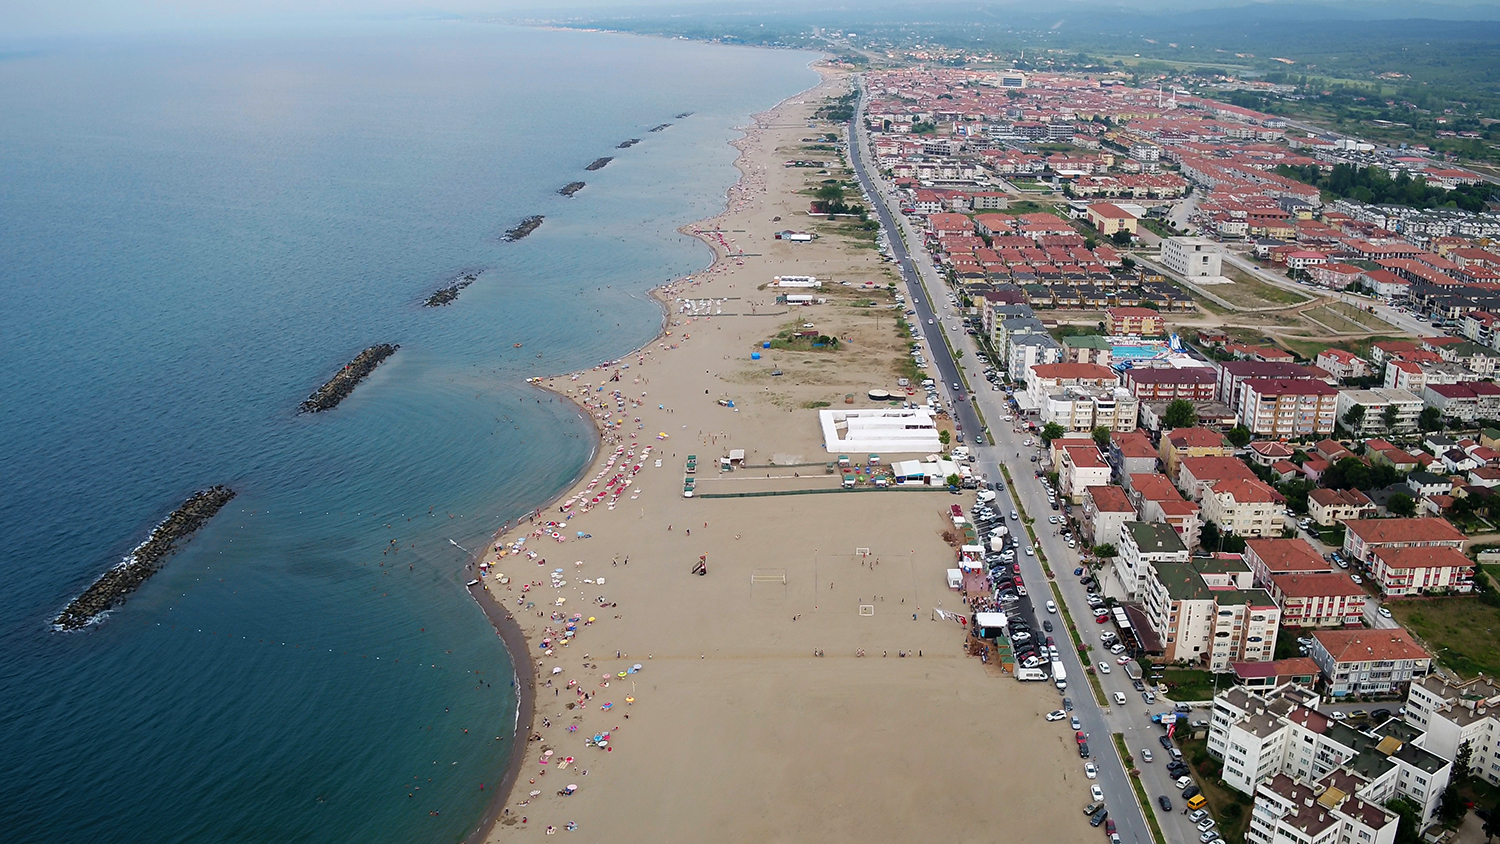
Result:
{"points": [[629, 699]]}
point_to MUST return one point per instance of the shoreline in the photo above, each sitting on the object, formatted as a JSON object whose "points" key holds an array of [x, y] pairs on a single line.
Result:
{"points": [[506, 625]]}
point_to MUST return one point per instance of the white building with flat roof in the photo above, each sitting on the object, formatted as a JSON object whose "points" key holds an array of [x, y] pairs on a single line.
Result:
{"points": [[1193, 257], [880, 430]]}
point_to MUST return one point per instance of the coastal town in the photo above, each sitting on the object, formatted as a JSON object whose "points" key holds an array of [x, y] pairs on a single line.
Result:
{"points": [[1065, 397]]}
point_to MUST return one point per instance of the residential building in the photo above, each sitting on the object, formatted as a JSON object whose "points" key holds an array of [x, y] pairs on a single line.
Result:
{"points": [[1078, 468], [1342, 364], [1418, 571], [1328, 507], [1206, 612], [1142, 321], [1131, 453], [1233, 375], [1368, 662], [1197, 475], [1143, 545], [1167, 383], [1386, 410], [1080, 408], [1181, 443], [1244, 508], [1108, 218], [1455, 714], [1192, 257], [1330, 599], [1362, 537], [1268, 558], [1043, 380], [1106, 509], [1281, 408], [1270, 452], [1088, 348], [1464, 401], [1159, 502]]}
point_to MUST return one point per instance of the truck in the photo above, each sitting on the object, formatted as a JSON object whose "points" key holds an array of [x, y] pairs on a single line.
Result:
{"points": [[1060, 676], [1030, 674]]}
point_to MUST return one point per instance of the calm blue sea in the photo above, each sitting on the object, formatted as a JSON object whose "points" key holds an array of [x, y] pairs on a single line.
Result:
{"points": [[193, 235]]}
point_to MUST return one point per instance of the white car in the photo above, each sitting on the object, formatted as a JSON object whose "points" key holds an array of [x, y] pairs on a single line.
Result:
{"points": [[1117, 649], [1124, 660], [1119, 698], [1337, 716], [1146, 755], [1096, 792], [1051, 607], [1384, 613], [1051, 520], [1056, 715], [1104, 668], [1356, 579], [1184, 782], [1030, 552], [1089, 770]]}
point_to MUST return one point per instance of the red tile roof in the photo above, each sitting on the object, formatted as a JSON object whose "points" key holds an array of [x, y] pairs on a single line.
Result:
{"points": [[1376, 531], [1370, 645]]}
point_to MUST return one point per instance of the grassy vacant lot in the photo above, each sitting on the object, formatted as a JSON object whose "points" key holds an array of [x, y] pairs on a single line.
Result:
{"points": [[1461, 631], [1335, 320], [1186, 684], [1250, 292]]}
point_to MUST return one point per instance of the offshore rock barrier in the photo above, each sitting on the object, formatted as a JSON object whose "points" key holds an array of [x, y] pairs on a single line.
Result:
{"points": [[598, 163], [628, 144], [446, 295], [660, 127], [338, 388], [147, 559], [570, 188], [684, 115], [526, 226]]}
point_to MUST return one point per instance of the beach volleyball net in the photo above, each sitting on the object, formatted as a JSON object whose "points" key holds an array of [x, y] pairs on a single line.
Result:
{"points": [[768, 576]]}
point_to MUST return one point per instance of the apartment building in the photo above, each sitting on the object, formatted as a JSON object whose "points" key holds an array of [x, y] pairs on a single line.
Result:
{"points": [[1142, 321], [1181, 443], [1106, 509], [1386, 410], [1169, 383], [1420, 571], [1368, 662], [1144, 544], [1328, 507], [1363, 536], [1330, 599], [1233, 375], [1205, 611], [1197, 475], [1193, 257], [1454, 714], [1078, 468], [1245, 508], [1081, 408], [1044, 380], [1277, 739], [1287, 409], [1270, 557]]}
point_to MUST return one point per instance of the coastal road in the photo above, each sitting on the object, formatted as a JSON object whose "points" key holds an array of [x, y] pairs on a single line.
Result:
{"points": [[924, 285]]}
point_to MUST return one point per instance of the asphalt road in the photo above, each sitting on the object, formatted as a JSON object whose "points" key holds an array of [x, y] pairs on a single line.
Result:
{"points": [[1098, 722], [1029, 497]]}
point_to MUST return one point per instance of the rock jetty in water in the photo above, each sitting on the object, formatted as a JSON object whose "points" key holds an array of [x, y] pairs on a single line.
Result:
{"points": [[598, 163], [660, 127], [147, 559], [684, 114], [338, 388], [628, 144], [446, 295], [570, 188], [526, 226]]}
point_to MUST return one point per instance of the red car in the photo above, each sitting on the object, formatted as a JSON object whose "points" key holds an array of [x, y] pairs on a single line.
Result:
{"points": [[1109, 826], [1100, 619], [1081, 737]]}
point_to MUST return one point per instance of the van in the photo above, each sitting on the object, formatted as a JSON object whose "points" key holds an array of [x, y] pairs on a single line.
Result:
{"points": [[1197, 801]]}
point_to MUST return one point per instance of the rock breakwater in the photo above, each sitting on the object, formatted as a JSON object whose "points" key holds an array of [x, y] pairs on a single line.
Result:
{"points": [[660, 127], [598, 163], [445, 295], [570, 188], [684, 114], [628, 144], [525, 227], [338, 388], [147, 559]]}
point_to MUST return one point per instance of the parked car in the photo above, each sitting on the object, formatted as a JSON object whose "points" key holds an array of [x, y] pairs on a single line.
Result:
{"points": [[1164, 802], [1096, 792]]}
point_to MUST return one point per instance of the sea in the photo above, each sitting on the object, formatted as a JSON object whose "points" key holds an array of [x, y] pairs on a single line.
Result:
{"points": [[196, 230]]}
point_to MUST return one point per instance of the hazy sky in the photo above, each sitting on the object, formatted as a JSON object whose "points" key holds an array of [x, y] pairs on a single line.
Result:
{"points": [[34, 17]]}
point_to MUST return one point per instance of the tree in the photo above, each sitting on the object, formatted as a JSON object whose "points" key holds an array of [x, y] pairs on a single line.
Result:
{"points": [[1409, 825], [1431, 419], [1461, 763], [955, 481], [958, 354], [1388, 416], [1105, 551], [945, 437], [1354, 417], [1180, 414], [1121, 237], [1401, 504], [1452, 806], [1239, 436], [1052, 431], [1101, 436]]}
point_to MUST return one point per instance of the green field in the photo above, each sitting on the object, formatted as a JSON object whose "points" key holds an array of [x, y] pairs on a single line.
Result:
{"points": [[1460, 631]]}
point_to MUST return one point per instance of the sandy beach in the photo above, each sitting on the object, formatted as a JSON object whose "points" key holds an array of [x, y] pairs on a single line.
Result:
{"points": [[734, 726]]}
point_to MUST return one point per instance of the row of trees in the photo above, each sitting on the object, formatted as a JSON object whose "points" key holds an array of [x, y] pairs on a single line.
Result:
{"points": [[1374, 185]]}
